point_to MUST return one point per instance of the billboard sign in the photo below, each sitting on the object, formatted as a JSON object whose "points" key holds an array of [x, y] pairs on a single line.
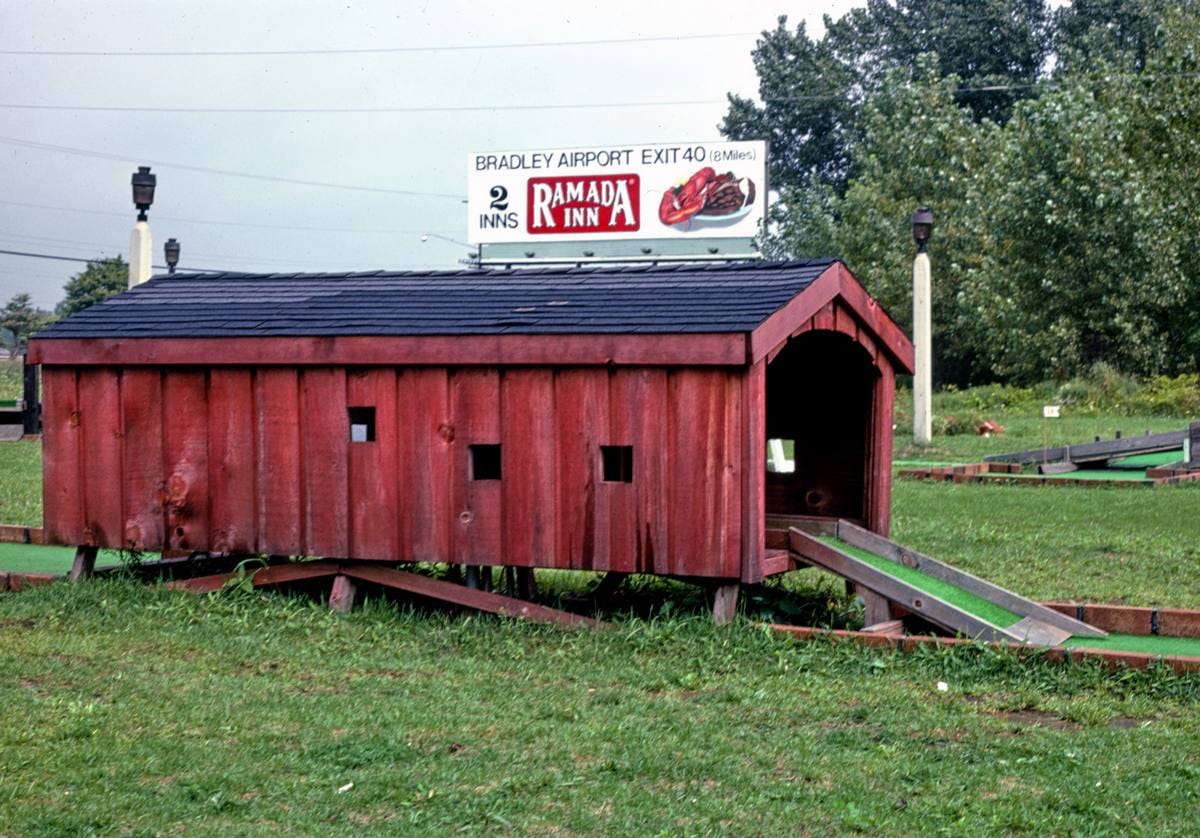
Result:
{"points": [[666, 192]]}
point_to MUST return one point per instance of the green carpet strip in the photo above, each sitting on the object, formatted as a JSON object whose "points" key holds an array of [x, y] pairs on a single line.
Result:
{"points": [[1003, 618]]}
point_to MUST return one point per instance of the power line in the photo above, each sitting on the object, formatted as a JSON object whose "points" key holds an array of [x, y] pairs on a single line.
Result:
{"points": [[48, 256], [555, 106], [376, 50], [178, 220], [137, 159]]}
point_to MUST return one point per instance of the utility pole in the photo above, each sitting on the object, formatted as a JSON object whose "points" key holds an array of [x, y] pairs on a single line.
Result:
{"points": [[141, 245], [922, 225]]}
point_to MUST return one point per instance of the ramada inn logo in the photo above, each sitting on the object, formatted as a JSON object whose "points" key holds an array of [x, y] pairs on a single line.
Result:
{"points": [[584, 204]]}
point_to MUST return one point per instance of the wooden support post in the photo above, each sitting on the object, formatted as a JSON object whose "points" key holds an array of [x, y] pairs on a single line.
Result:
{"points": [[1193, 444], [31, 418], [876, 609], [472, 580], [85, 563], [725, 599], [526, 583], [609, 584], [341, 596]]}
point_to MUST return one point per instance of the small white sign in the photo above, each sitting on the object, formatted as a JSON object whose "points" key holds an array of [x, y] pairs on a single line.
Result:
{"points": [[1050, 411]]}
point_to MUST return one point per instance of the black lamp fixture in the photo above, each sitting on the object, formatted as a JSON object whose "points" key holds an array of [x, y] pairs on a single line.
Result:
{"points": [[922, 227], [171, 251], [143, 190]]}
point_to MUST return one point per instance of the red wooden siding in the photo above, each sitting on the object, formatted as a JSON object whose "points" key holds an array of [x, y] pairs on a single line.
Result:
{"points": [[62, 474], [260, 460]]}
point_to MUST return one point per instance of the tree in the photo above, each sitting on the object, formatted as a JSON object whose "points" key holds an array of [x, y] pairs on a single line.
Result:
{"points": [[985, 43], [1094, 250], [916, 148], [1120, 32], [101, 279], [809, 102], [22, 319]]}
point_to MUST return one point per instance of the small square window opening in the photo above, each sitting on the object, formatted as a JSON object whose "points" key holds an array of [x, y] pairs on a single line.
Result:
{"points": [[362, 424], [781, 456], [617, 461], [485, 462]]}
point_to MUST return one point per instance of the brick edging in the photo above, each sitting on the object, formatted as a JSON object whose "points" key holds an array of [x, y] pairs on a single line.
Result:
{"points": [[15, 581], [1135, 660], [18, 534]]}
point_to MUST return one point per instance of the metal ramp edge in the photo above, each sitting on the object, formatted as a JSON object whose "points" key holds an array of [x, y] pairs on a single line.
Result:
{"points": [[1038, 625]]}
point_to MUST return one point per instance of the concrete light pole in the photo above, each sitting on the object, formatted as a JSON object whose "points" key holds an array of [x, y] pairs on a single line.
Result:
{"points": [[141, 245], [922, 226]]}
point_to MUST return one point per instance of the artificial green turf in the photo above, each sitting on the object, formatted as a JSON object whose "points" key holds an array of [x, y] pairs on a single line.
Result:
{"points": [[1144, 461], [967, 601], [46, 558], [1002, 617], [1149, 643]]}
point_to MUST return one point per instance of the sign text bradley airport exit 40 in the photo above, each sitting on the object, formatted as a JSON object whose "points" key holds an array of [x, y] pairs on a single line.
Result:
{"points": [[709, 190]]}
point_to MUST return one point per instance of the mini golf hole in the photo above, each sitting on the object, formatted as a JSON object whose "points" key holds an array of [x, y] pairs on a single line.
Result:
{"points": [[814, 498]]}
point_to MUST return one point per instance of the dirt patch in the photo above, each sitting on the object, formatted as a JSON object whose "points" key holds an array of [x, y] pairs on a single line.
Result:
{"points": [[1035, 718], [1125, 722], [27, 623]]}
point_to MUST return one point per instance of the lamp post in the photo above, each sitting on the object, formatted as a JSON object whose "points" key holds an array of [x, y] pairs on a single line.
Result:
{"points": [[922, 228], [140, 243], [171, 253]]}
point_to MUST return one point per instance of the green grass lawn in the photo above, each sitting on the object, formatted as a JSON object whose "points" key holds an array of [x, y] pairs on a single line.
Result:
{"points": [[12, 381], [126, 708], [21, 483]]}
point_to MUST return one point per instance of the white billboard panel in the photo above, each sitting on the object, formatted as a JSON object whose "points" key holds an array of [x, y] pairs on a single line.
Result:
{"points": [[664, 191]]}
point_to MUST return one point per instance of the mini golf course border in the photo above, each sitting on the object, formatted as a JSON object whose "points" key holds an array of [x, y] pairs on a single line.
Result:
{"points": [[1011, 474], [1133, 620], [1122, 619]]}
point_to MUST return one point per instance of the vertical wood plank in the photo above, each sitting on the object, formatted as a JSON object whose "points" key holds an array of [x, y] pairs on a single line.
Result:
{"points": [[581, 405], [231, 462], [374, 515], [619, 501], [652, 471], [703, 475], [427, 433], [845, 323], [730, 538], [754, 443], [474, 406], [879, 458], [528, 490], [145, 484], [62, 492], [825, 319], [277, 448], [185, 458], [325, 439], [100, 422]]}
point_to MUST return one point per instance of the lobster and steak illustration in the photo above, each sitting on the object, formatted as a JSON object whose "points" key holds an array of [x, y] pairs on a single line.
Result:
{"points": [[706, 194]]}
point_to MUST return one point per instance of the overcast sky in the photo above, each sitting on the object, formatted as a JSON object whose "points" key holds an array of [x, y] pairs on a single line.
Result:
{"points": [[84, 206]]}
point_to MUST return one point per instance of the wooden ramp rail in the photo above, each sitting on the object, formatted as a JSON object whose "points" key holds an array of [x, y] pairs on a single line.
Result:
{"points": [[340, 572], [1097, 452], [1038, 625]]}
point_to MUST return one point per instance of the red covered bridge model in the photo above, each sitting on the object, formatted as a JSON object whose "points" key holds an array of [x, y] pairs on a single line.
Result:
{"points": [[604, 419]]}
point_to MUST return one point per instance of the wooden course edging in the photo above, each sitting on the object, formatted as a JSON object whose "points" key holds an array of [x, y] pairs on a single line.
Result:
{"points": [[1004, 473]]}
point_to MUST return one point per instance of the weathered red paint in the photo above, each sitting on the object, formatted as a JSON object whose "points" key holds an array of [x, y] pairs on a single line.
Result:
{"points": [[244, 446]]}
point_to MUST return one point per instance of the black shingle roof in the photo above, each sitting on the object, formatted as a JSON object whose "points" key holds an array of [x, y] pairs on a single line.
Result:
{"points": [[664, 299]]}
